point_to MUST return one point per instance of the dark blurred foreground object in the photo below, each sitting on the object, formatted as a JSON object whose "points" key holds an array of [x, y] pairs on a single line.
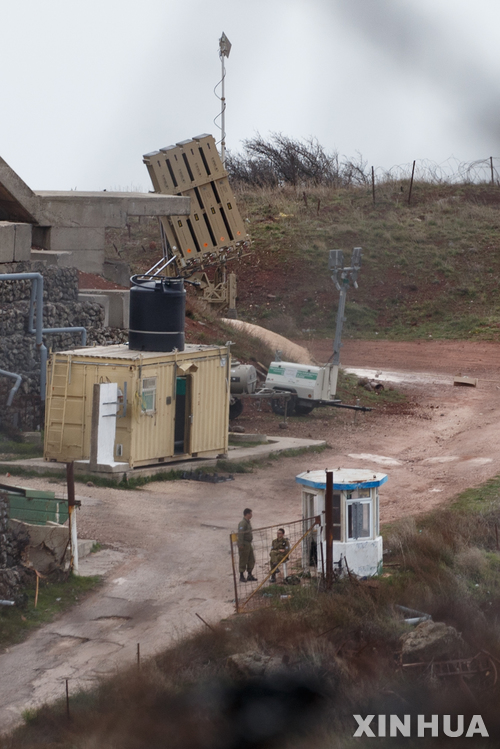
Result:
{"points": [[262, 713]]}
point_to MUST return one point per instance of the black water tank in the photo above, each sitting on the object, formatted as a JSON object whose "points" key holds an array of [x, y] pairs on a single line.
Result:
{"points": [[157, 314]]}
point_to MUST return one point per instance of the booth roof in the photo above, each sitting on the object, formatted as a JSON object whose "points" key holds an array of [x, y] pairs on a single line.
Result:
{"points": [[343, 478]]}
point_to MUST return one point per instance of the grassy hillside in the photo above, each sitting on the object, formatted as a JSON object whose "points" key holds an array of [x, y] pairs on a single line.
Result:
{"points": [[429, 268]]}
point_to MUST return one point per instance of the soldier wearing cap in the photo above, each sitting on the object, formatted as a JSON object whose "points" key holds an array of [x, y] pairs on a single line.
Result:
{"points": [[279, 548]]}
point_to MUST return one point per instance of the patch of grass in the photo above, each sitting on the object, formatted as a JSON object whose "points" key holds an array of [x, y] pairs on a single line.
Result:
{"points": [[19, 470], [54, 597], [348, 391], [12, 449], [483, 498], [248, 443], [248, 466]]}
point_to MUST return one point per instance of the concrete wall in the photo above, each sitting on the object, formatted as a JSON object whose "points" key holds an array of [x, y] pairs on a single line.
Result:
{"points": [[70, 222]]}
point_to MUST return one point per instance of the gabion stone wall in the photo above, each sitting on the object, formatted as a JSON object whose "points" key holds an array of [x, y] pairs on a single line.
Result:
{"points": [[62, 309], [12, 574]]}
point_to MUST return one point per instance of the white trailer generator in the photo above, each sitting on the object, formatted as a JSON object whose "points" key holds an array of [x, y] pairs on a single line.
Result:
{"points": [[310, 386]]}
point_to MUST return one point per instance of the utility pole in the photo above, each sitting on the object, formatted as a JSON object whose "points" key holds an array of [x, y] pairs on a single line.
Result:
{"points": [[343, 277]]}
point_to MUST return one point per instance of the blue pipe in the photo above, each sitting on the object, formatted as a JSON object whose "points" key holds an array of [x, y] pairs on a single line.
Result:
{"points": [[38, 279], [36, 302], [15, 387], [33, 300]]}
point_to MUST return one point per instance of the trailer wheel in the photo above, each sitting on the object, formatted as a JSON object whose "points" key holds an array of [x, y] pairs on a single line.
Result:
{"points": [[235, 409], [278, 405], [301, 410]]}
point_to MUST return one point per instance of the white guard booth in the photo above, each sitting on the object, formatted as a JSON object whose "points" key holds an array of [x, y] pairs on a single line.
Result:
{"points": [[355, 513]]}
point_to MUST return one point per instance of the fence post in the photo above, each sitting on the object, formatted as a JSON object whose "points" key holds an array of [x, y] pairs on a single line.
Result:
{"points": [[373, 185], [411, 183]]}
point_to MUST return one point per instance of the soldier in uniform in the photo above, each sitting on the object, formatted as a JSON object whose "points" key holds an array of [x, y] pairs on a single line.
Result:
{"points": [[245, 548], [280, 547]]}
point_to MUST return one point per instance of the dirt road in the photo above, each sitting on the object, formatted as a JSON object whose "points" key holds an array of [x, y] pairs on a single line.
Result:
{"points": [[168, 555]]}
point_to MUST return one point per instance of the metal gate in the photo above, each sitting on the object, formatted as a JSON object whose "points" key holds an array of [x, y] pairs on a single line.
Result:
{"points": [[296, 566]]}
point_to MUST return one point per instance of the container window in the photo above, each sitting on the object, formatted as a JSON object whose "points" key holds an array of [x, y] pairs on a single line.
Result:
{"points": [[148, 400], [358, 520]]}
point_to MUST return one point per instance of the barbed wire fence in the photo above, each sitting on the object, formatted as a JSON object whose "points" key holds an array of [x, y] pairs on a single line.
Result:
{"points": [[451, 171], [277, 161], [424, 171], [298, 566]]}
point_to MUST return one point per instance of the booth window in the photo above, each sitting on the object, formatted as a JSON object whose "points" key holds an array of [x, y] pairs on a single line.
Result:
{"points": [[358, 519], [148, 400], [337, 535]]}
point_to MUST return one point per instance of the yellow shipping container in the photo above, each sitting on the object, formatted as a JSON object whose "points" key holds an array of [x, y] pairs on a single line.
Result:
{"points": [[171, 405]]}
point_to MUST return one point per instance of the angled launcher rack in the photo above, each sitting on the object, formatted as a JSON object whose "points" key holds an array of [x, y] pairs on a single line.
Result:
{"points": [[214, 231]]}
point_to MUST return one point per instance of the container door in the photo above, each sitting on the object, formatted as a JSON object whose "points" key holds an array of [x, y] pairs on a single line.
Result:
{"points": [[183, 415]]}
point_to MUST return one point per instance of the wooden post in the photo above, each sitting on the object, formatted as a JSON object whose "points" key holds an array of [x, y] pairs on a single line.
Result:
{"points": [[329, 528], [373, 185], [411, 183], [492, 171], [234, 571], [36, 587], [67, 699]]}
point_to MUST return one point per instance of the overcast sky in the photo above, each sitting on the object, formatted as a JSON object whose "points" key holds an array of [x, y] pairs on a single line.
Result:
{"points": [[89, 86]]}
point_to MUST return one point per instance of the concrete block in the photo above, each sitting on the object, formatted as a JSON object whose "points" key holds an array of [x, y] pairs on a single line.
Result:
{"points": [[89, 261], [98, 298], [69, 238], [47, 544], [34, 438], [105, 209], [463, 380], [7, 242], [115, 301], [85, 547], [15, 241], [61, 259], [117, 271], [119, 304], [22, 242], [83, 466]]}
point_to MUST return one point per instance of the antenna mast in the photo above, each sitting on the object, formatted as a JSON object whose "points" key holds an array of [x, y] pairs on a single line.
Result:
{"points": [[224, 50]]}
